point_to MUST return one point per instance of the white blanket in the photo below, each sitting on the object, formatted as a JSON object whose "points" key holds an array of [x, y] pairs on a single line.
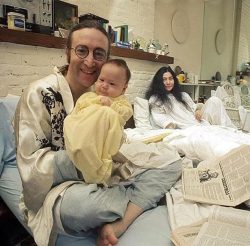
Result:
{"points": [[182, 212], [195, 142], [200, 143], [206, 142]]}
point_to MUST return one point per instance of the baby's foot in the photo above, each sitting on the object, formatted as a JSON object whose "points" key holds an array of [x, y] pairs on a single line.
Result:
{"points": [[107, 236]]}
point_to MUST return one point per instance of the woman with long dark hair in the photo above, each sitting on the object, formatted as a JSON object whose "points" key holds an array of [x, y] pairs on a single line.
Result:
{"points": [[172, 108]]}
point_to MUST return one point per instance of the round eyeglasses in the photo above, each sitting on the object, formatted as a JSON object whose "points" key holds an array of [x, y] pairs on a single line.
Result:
{"points": [[82, 52]]}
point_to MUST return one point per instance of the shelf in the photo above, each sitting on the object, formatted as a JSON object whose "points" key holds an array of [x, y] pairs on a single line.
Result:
{"points": [[214, 84], [31, 38], [245, 73], [201, 84], [140, 55], [188, 84], [199, 89], [37, 39]]}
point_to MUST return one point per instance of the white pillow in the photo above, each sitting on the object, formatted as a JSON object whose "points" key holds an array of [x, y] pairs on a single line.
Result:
{"points": [[141, 113]]}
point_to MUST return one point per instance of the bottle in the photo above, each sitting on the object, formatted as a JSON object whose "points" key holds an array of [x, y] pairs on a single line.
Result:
{"points": [[204, 98], [165, 49], [201, 99]]}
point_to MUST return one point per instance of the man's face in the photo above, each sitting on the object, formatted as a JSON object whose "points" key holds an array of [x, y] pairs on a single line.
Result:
{"points": [[82, 73]]}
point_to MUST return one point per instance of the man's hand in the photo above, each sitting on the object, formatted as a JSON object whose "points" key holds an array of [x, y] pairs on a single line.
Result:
{"points": [[105, 101], [198, 115]]}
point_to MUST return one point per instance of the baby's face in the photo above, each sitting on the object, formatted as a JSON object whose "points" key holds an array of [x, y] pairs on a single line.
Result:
{"points": [[112, 81]]}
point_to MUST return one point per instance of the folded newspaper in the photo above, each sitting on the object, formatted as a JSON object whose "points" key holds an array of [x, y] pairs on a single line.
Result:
{"points": [[185, 235], [224, 226], [226, 181]]}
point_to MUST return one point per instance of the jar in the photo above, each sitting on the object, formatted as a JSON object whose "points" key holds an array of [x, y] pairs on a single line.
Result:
{"points": [[16, 21], [181, 77], [165, 49], [151, 48]]}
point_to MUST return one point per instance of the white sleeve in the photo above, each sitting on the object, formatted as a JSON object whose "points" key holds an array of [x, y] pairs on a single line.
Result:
{"points": [[159, 115], [39, 137], [189, 101]]}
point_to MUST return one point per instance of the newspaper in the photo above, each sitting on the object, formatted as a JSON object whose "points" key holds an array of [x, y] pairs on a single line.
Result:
{"points": [[225, 226], [226, 181], [185, 235]]}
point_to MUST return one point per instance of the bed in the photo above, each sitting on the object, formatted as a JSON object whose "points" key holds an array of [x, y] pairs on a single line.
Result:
{"points": [[199, 145], [151, 228]]}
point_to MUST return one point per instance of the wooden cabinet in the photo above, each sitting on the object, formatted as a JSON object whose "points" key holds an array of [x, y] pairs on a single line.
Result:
{"points": [[198, 90]]}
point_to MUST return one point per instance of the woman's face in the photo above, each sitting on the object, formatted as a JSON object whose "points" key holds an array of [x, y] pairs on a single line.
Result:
{"points": [[168, 81]]}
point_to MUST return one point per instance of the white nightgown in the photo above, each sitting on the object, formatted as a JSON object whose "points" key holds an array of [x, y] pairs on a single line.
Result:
{"points": [[213, 112]]}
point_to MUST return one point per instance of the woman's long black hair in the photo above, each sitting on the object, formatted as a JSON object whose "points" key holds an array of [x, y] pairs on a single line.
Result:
{"points": [[157, 88]]}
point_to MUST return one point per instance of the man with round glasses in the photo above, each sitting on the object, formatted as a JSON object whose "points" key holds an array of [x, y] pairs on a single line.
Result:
{"points": [[85, 56], [59, 207], [82, 51]]}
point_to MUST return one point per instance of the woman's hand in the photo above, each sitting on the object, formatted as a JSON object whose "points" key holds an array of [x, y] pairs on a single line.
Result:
{"points": [[198, 115]]}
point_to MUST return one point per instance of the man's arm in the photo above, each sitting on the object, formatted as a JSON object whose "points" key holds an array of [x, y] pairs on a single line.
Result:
{"points": [[37, 153]]}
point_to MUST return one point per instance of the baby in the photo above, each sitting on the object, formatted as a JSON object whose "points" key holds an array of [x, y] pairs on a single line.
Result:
{"points": [[93, 132]]}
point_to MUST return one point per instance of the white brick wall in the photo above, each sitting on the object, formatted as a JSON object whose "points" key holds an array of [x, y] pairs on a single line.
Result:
{"points": [[22, 64], [244, 39], [138, 14]]}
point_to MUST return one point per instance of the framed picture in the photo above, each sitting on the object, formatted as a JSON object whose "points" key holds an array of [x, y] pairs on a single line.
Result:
{"points": [[65, 15]]}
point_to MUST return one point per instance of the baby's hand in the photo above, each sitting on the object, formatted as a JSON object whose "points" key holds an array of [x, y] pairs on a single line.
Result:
{"points": [[105, 101]]}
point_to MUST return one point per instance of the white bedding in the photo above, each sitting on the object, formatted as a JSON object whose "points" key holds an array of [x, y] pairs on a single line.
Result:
{"points": [[195, 142], [182, 212], [206, 142], [199, 143]]}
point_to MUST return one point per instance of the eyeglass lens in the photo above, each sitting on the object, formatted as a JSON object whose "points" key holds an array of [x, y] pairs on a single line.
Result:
{"points": [[82, 52]]}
